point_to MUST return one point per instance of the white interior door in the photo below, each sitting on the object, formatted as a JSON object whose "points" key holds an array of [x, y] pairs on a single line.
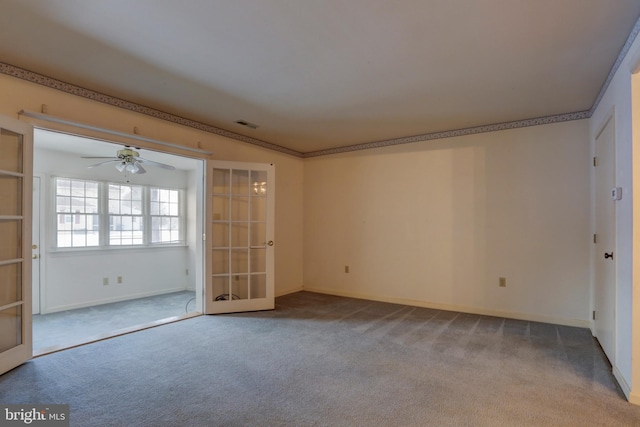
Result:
{"points": [[16, 153], [604, 280], [239, 237], [35, 247]]}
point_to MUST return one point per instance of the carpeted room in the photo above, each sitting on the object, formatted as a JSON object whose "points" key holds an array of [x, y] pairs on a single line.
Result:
{"points": [[492, 214], [325, 360]]}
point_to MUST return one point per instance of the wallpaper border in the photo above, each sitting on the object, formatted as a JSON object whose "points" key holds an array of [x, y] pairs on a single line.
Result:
{"points": [[454, 133], [72, 89]]}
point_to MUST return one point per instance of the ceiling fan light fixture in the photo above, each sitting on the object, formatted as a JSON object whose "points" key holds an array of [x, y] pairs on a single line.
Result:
{"points": [[132, 167], [129, 162]]}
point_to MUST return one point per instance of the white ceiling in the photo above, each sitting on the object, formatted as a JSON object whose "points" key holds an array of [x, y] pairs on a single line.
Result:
{"points": [[319, 74]]}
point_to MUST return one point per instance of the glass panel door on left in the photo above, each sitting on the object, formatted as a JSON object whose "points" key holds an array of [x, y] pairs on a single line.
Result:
{"points": [[15, 264]]}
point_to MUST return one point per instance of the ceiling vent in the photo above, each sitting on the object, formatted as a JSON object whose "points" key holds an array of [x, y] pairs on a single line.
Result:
{"points": [[247, 124]]}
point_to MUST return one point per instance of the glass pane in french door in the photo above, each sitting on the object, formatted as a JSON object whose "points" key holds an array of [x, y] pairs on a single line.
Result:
{"points": [[15, 341], [239, 242]]}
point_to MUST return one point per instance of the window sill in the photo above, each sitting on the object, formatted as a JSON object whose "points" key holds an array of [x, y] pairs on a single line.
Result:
{"points": [[114, 249]]}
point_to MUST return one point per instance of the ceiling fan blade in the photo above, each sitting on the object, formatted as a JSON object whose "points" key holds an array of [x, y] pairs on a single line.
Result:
{"points": [[152, 163], [104, 157], [104, 163]]}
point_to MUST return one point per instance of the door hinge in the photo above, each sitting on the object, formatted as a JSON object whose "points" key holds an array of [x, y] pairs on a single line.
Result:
{"points": [[595, 238], [595, 161], [594, 315], [204, 237]]}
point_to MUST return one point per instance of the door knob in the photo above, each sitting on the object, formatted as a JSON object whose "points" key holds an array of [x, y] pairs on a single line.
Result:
{"points": [[608, 255], [34, 256], [270, 243]]}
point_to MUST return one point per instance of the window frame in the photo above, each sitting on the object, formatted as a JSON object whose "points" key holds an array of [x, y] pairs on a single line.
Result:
{"points": [[104, 217], [180, 216]]}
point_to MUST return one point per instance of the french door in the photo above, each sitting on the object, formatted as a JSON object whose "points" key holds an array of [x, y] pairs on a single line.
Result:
{"points": [[239, 237], [16, 153]]}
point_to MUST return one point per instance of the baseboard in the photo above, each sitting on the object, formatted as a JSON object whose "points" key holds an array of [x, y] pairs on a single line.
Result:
{"points": [[288, 291], [110, 300], [624, 386], [452, 307]]}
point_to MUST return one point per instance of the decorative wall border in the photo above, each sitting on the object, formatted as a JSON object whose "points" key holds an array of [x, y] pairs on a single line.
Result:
{"points": [[72, 89], [621, 56], [453, 133], [33, 77]]}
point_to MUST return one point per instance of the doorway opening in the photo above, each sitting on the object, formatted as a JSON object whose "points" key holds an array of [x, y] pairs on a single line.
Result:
{"points": [[114, 239]]}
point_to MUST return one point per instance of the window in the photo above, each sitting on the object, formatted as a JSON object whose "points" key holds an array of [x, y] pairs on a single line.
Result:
{"points": [[98, 214], [165, 215], [126, 225], [77, 213]]}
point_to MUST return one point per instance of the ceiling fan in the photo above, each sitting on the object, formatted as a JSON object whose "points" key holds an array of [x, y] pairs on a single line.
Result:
{"points": [[129, 161]]}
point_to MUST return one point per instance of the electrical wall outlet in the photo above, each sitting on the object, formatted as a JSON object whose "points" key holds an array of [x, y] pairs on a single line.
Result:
{"points": [[105, 281], [502, 282], [119, 279]]}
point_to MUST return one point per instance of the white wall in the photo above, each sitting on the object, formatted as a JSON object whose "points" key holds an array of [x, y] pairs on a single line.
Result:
{"points": [[617, 101], [437, 223], [144, 272]]}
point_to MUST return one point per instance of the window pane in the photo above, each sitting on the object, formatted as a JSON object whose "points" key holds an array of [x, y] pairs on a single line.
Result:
{"points": [[79, 223], [240, 182], [10, 151], [114, 192], [221, 181], [63, 204], [92, 189], [114, 206], [136, 207], [79, 239], [76, 198], [10, 327], [64, 239], [165, 219], [258, 286], [136, 193], [92, 206], [10, 245], [63, 187], [77, 188], [10, 193], [77, 204]]}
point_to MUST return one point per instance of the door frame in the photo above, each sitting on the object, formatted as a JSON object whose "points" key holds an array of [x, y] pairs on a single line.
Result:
{"points": [[105, 135], [36, 287]]}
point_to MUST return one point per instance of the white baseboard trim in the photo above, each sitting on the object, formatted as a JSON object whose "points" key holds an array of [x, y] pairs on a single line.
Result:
{"points": [[624, 386], [282, 292], [110, 300], [452, 307]]}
